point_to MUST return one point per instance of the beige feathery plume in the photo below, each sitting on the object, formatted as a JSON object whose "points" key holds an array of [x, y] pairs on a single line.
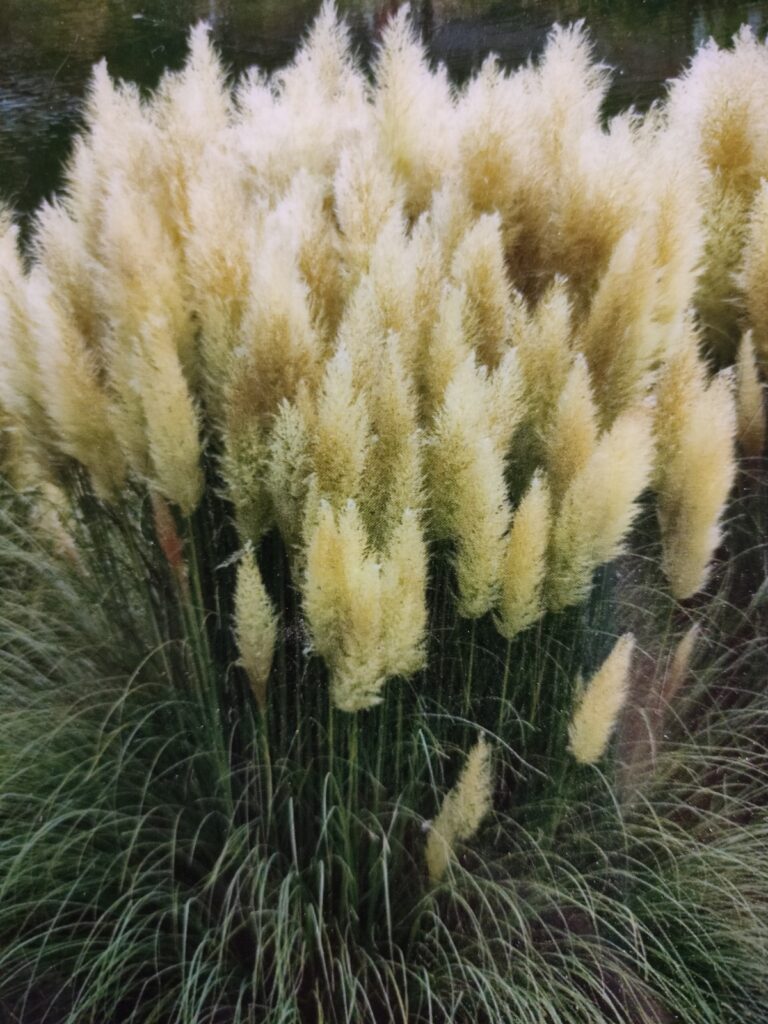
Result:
{"points": [[493, 127], [618, 337], [480, 522], [308, 113], [366, 611], [450, 216], [52, 517], [679, 666], [396, 277], [318, 253], [404, 598], [694, 483], [74, 399], [675, 224], [20, 385], [465, 473], [750, 409], [573, 431], [216, 257], [10, 450], [683, 376], [392, 478], [462, 810], [525, 561], [146, 337], [365, 196], [362, 330], [543, 346], [716, 109], [139, 276], [599, 507], [340, 434], [428, 259], [119, 143], [243, 469], [754, 276], [478, 267], [601, 702], [505, 402], [342, 601], [173, 429], [302, 223], [279, 345], [191, 107], [413, 109], [446, 349], [717, 302], [584, 193], [255, 627], [59, 245], [287, 471]]}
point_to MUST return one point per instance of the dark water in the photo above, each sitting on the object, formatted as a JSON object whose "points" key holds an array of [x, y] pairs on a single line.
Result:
{"points": [[48, 46]]}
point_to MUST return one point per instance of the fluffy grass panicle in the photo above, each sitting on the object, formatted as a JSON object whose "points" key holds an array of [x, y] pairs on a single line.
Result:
{"points": [[600, 704], [696, 421], [525, 561], [462, 810], [753, 272], [255, 627], [750, 409], [599, 507]]}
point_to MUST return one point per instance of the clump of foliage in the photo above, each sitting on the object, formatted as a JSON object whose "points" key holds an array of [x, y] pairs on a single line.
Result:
{"points": [[364, 463]]}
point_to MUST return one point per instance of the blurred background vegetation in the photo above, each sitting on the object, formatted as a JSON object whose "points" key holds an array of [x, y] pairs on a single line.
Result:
{"points": [[47, 48]]}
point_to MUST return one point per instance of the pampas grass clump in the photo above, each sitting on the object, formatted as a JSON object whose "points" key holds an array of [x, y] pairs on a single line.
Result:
{"points": [[346, 425]]}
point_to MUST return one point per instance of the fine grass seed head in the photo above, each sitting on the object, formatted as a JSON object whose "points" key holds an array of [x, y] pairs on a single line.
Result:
{"points": [[255, 627], [525, 561], [462, 810], [750, 406], [600, 704], [599, 507]]}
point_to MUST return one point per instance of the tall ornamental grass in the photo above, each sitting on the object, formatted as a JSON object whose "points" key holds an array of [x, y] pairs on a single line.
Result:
{"points": [[383, 622]]}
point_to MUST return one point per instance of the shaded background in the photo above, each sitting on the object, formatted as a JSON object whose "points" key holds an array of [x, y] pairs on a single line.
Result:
{"points": [[47, 48]]}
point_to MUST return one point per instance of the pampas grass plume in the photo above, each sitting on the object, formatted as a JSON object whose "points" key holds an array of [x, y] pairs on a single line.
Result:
{"points": [[342, 601], [478, 267], [341, 432], [19, 371], [287, 471], [255, 627], [601, 702], [573, 433], [404, 598], [599, 507], [465, 472], [413, 108], [543, 346], [525, 561], [754, 276], [679, 665], [750, 410], [695, 481], [462, 810], [172, 427], [392, 477], [74, 399]]}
